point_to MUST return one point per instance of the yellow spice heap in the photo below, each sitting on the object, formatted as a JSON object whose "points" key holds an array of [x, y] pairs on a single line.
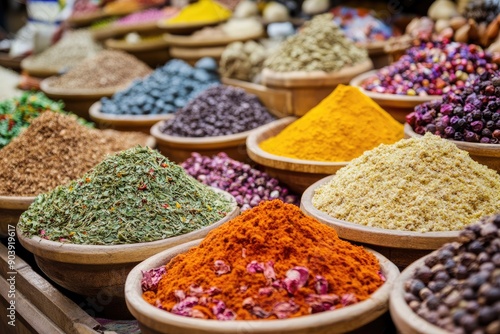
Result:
{"points": [[340, 128], [202, 11]]}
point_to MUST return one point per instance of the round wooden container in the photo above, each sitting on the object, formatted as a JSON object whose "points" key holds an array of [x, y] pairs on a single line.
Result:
{"points": [[115, 30], [397, 105], [87, 19], [179, 149], [26, 65], [192, 55], [153, 52], [77, 101], [358, 318], [407, 321], [142, 123], [190, 42], [401, 247], [296, 174], [185, 28], [309, 88], [101, 271], [11, 208], [486, 154]]}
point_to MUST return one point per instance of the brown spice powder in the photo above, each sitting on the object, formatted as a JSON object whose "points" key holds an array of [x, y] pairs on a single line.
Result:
{"points": [[54, 150]]}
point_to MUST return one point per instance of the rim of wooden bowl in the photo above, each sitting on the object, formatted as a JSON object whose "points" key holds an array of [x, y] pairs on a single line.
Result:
{"points": [[16, 202], [138, 120], [374, 235], [190, 42], [390, 99], [485, 150], [88, 18], [351, 316], [147, 45], [197, 53], [313, 78], [125, 253], [406, 320], [37, 71], [75, 94], [199, 142], [275, 161], [114, 29], [173, 27]]}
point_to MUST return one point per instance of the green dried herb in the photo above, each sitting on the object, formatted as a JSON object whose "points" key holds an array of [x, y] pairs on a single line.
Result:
{"points": [[17, 113], [137, 195]]}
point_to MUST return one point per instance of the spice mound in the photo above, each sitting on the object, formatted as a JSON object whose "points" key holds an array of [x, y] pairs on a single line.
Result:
{"points": [[421, 184], [108, 69], [137, 195], [271, 262], [218, 111], [243, 61], [320, 46], [54, 150], [339, 128], [248, 185], [472, 115], [167, 89], [74, 47], [432, 68], [458, 286]]}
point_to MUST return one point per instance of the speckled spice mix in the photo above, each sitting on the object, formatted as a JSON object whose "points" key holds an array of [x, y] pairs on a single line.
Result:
{"points": [[271, 262], [422, 184], [55, 149]]}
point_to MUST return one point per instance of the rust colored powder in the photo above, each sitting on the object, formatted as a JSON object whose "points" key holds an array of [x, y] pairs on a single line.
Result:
{"points": [[54, 150], [273, 231]]}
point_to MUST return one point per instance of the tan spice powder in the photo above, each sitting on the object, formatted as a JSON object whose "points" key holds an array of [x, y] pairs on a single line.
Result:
{"points": [[423, 184], [54, 150]]}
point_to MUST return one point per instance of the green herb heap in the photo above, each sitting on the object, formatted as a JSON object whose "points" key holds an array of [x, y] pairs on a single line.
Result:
{"points": [[16, 114], [137, 195]]}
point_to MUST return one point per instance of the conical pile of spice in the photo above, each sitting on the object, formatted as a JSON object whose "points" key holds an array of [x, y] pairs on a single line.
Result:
{"points": [[271, 262], [54, 150], [108, 69], [422, 184], [135, 196], [202, 11], [319, 46], [340, 128]]}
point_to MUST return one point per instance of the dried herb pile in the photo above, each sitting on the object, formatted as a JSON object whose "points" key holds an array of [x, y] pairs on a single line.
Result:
{"points": [[17, 113], [137, 195], [54, 150]]}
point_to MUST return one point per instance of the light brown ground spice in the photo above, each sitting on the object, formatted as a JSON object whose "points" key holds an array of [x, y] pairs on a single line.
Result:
{"points": [[54, 150], [423, 184]]}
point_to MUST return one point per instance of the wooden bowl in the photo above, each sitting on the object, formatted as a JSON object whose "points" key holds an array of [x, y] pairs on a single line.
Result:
{"points": [[185, 28], [190, 42], [179, 149], [153, 52], [92, 270], [118, 30], [485, 154], [397, 105], [142, 123], [87, 19], [295, 173], [356, 318], [407, 321], [11, 208], [401, 247], [77, 101], [14, 63], [277, 101], [27, 66], [309, 88], [192, 55]]}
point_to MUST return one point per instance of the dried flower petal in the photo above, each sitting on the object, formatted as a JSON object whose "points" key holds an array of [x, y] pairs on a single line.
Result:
{"points": [[255, 267], [197, 314], [382, 277], [321, 285], [295, 279], [151, 278], [184, 307], [348, 299], [284, 310], [243, 288], [267, 291], [223, 313], [195, 290], [269, 271], [213, 291], [260, 312], [248, 302], [243, 252], [221, 267], [180, 295]]}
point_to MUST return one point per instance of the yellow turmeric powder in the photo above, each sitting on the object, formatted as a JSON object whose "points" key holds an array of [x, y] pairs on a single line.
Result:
{"points": [[340, 128], [202, 11]]}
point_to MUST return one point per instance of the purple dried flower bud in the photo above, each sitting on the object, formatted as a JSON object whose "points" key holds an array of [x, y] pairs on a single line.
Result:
{"points": [[321, 285], [295, 279], [255, 267], [151, 278], [446, 109], [477, 126], [221, 267]]}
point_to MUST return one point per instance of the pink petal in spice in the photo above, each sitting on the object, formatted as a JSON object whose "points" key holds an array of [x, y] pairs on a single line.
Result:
{"points": [[284, 310], [255, 267], [267, 291], [295, 279], [348, 299], [151, 278], [269, 271], [321, 303], [382, 277], [180, 295], [195, 290], [221, 267], [321, 285]]}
